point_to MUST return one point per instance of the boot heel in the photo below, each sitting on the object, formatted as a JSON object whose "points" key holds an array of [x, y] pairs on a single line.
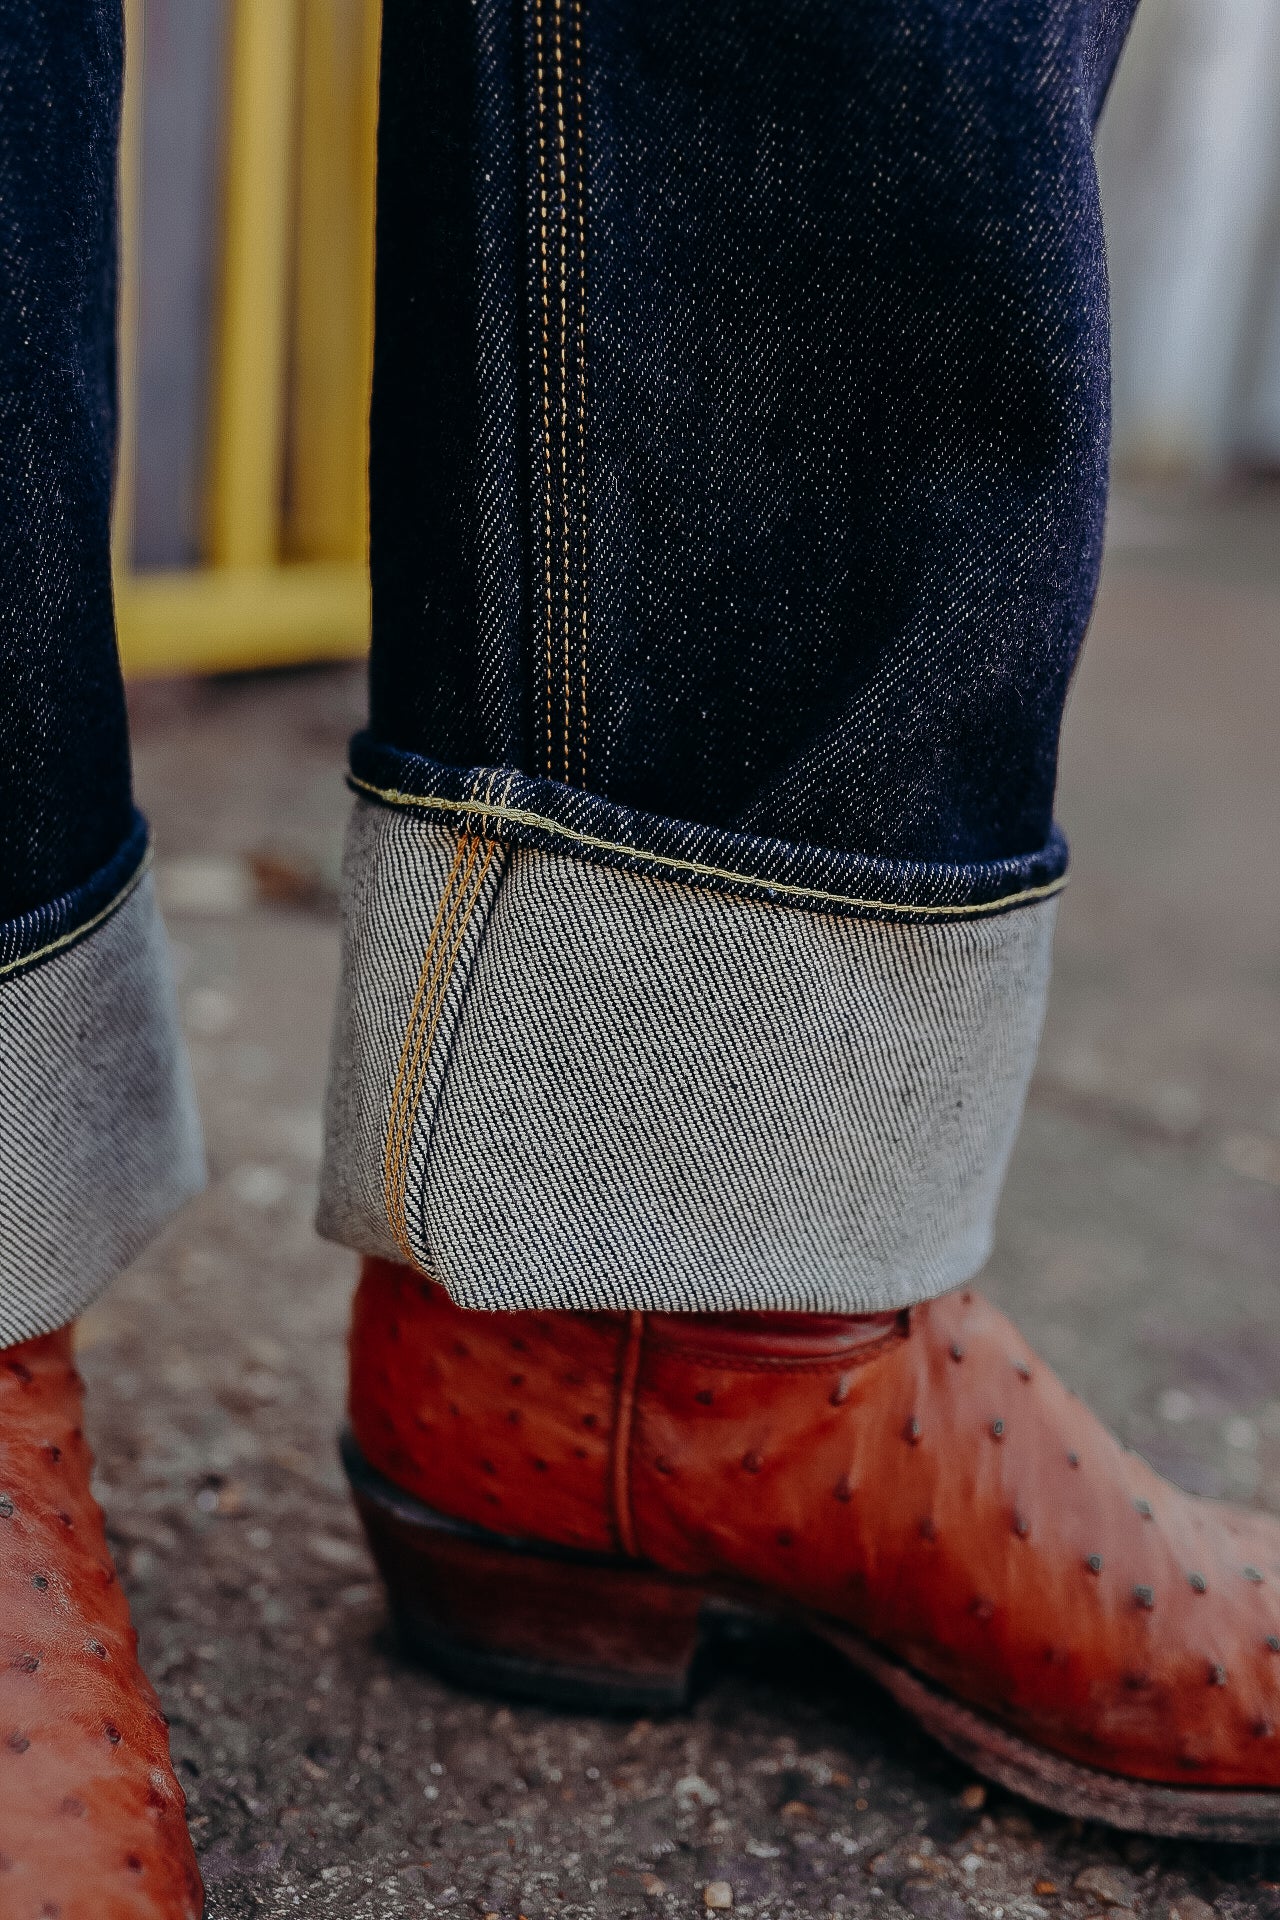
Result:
{"points": [[527, 1620]]}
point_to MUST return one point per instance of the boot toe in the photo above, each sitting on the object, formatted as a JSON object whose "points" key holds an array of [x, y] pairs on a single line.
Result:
{"points": [[93, 1824]]}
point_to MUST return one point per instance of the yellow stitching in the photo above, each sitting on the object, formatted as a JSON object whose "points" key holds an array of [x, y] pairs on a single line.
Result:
{"points": [[438, 999], [407, 1057], [391, 1147], [399, 1124], [566, 569], [582, 362], [459, 897], [397, 1148], [85, 927], [520, 817], [419, 1059], [409, 1080], [544, 286], [415, 1072], [427, 1039]]}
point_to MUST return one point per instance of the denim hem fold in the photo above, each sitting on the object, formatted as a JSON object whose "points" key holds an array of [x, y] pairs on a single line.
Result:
{"points": [[557, 1084], [99, 1136], [34, 937], [534, 812]]}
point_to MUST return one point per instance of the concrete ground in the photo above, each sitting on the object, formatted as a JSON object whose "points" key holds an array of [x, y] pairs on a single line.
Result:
{"points": [[1138, 1246]]}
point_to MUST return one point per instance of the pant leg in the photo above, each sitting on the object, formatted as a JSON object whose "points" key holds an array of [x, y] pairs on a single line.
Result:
{"points": [[98, 1137], [738, 474]]}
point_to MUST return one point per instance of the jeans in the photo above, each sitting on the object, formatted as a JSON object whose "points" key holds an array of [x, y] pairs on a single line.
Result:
{"points": [[739, 441]]}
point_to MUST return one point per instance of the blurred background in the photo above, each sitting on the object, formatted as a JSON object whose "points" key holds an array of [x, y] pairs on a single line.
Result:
{"points": [[247, 172], [248, 217], [1139, 1233], [1189, 159]]}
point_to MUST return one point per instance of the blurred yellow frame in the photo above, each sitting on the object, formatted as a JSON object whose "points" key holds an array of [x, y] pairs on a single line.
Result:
{"points": [[284, 577]]}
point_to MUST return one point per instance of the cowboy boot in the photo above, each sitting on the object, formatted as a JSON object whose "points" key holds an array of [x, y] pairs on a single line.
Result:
{"points": [[91, 1820], [557, 1499]]}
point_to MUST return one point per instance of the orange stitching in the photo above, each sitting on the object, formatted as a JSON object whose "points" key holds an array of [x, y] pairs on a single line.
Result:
{"points": [[580, 128], [391, 1146], [544, 281], [449, 928], [477, 888], [410, 1053], [399, 1127], [412, 1092], [623, 1422], [426, 1039]]}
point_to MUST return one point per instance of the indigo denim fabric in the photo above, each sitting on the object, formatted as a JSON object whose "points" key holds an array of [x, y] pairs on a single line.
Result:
{"points": [[65, 805], [740, 420], [99, 1140], [738, 461], [500, 803], [739, 447]]}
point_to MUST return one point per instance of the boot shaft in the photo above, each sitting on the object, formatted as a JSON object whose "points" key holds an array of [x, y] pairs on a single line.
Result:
{"points": [[551, 1423]]}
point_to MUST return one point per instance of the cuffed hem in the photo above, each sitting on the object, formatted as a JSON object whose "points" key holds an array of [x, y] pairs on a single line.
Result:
{"points": [[542, 815], [99, 1138], [560, 1084]]}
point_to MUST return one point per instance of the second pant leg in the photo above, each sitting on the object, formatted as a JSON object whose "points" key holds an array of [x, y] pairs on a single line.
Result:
{"points": [[99, 1141], [739, 449]]}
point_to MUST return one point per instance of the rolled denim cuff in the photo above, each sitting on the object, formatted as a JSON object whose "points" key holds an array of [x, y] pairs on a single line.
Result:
{"points": [[99, 1139], [528, 811], [582, 1061]]}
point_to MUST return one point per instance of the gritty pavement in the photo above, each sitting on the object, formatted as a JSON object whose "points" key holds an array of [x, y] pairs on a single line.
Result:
{"points": [[1138, 1247]]}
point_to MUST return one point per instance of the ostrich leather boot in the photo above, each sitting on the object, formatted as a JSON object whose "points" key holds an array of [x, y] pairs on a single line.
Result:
{"points": [[91, 1816], [558, 1500]]}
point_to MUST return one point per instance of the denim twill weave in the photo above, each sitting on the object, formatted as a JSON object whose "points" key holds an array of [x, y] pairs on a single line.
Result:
{"points": [[738, 461], [99, 1141], [740, 406], [554, 817], [49, 928], [395, 879], [99, 1138], [65, 805], [641, 1094]]}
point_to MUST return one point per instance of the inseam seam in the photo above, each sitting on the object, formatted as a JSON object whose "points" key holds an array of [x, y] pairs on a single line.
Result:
{"points": [[561, 222], [444, 944], [459, 898]]}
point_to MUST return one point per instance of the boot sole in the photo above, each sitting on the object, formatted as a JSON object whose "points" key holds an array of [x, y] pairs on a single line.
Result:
{"points": [[591, 1631]]}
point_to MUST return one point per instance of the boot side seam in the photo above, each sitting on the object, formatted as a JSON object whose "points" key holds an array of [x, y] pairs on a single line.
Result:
{"points": [[623, 1429], [728, 1362]]}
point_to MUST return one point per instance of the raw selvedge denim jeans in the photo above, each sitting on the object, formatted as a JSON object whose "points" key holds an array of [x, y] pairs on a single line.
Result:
{"points": [[738, 471], [98, 1136]]}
